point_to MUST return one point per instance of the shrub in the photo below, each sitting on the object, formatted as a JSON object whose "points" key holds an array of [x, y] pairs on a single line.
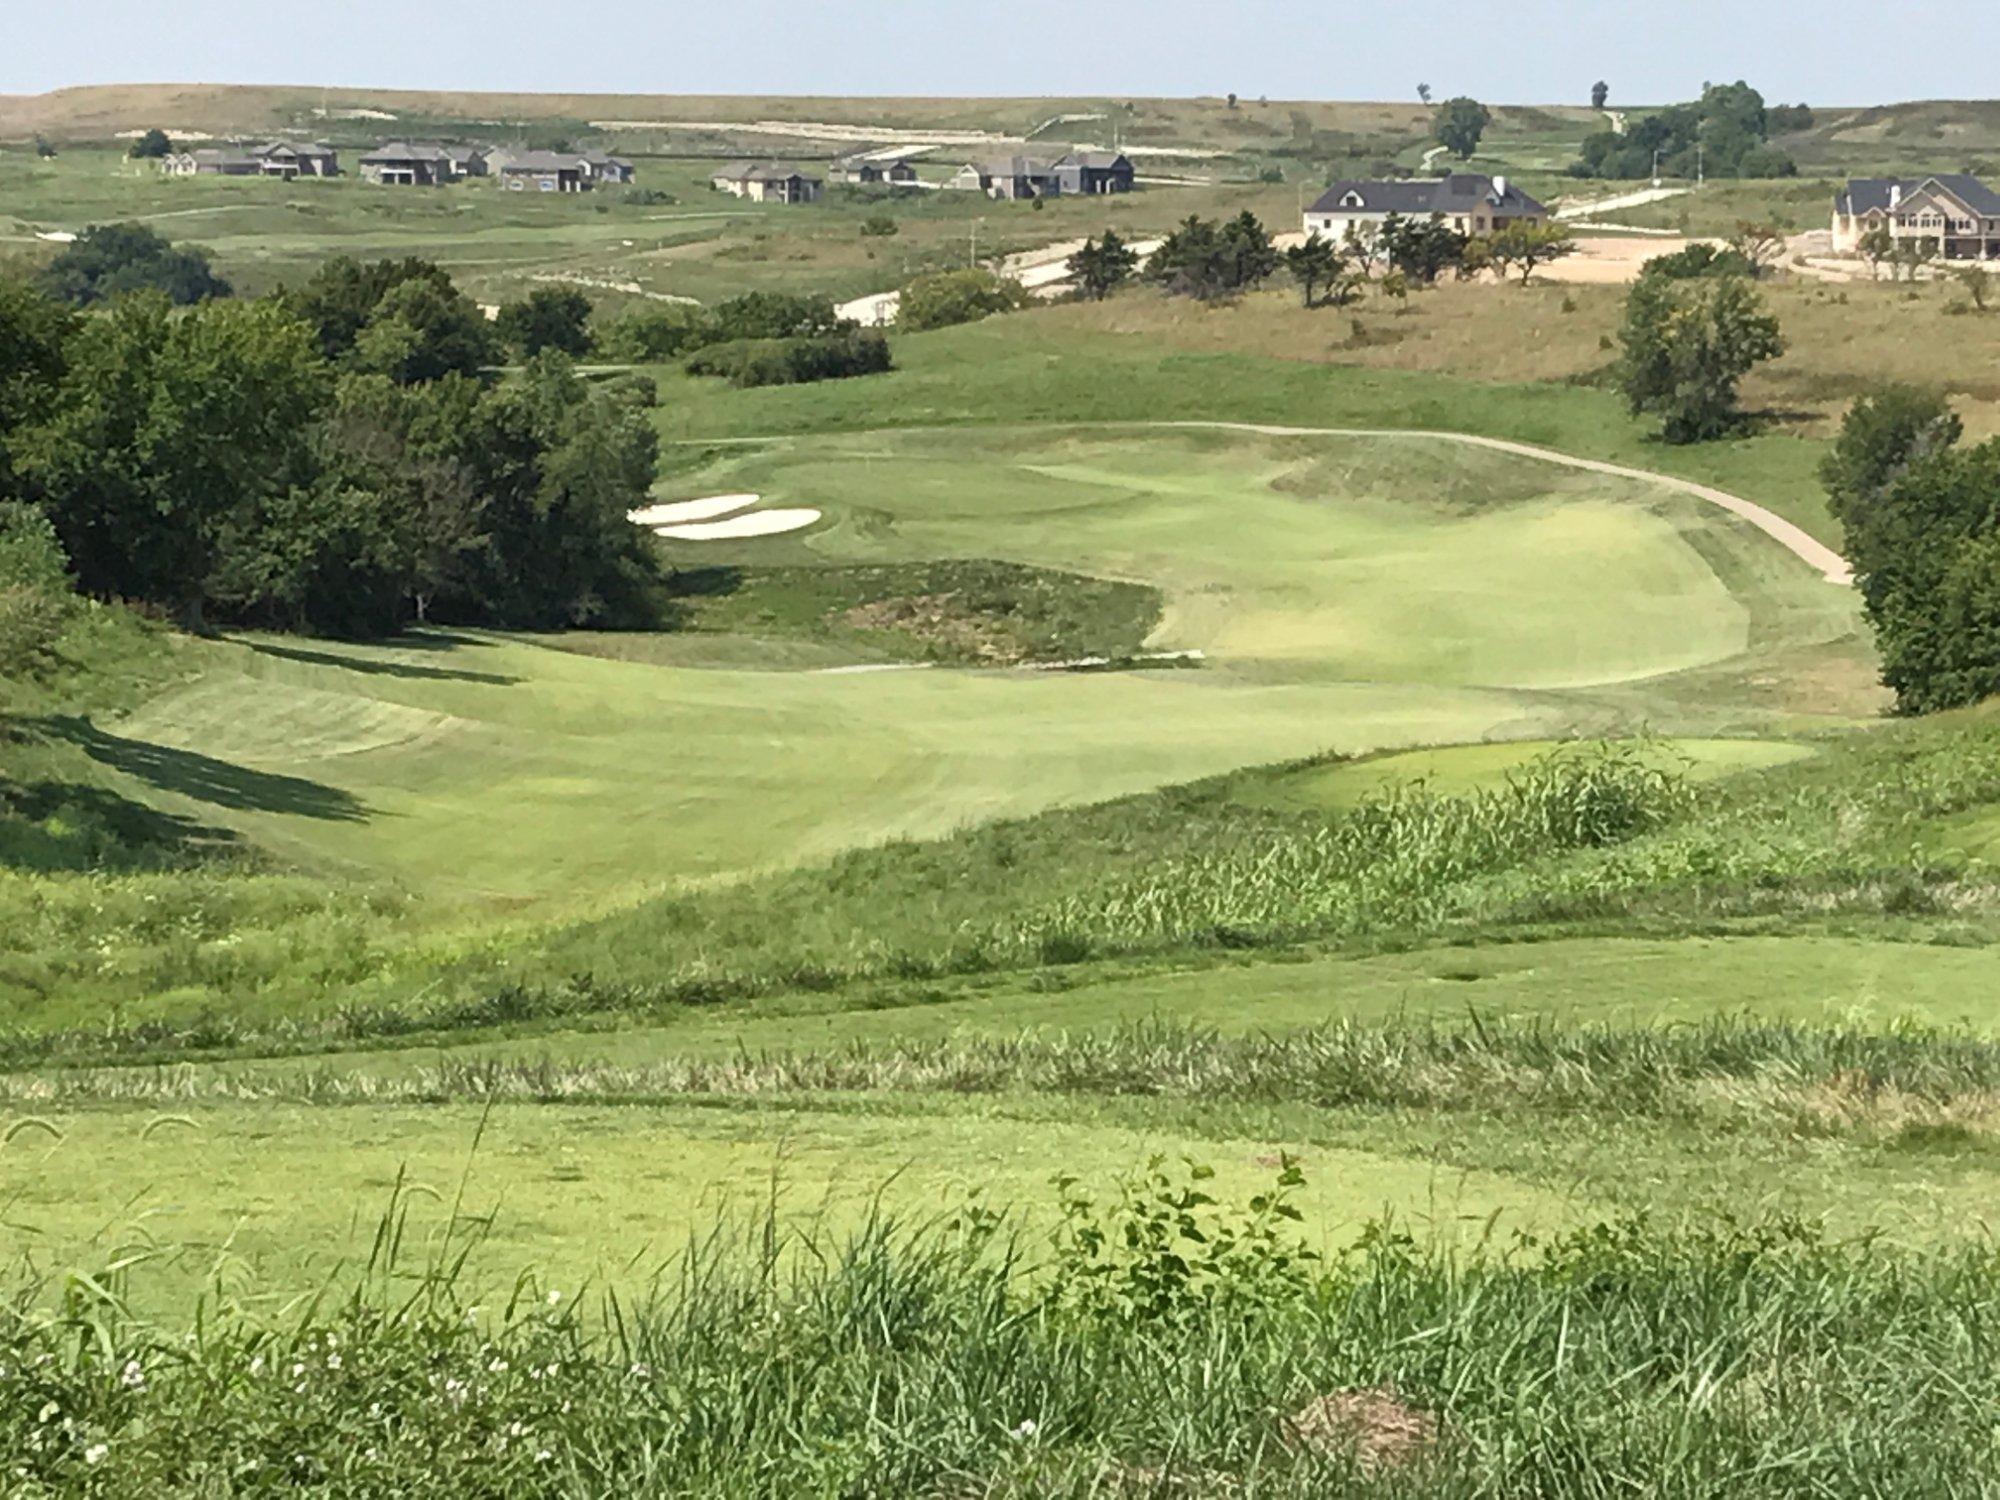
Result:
{"points": [[1698, 261], [746, 363], [151, 146], [774, 315], [547, 318], [945, 298], [35, 597], [109, 259], [879, 227], [648, 335]]}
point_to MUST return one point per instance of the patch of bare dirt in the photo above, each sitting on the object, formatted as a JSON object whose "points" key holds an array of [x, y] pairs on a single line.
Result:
{"points": [[1378, 1428], [944, 621]]}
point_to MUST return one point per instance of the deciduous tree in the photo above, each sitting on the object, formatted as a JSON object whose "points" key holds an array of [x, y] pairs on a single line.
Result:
{"points": [[1686, 346], [1460, 124], [1523, 246]]}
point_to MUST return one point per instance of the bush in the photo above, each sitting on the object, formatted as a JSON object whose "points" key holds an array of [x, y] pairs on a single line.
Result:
{"points": [[151, 146], [945, 298], [109, 259], [35, 596], [774, 315], [1699, 260], [547, 318], [648, 335], [746, 363], [878, 227]]}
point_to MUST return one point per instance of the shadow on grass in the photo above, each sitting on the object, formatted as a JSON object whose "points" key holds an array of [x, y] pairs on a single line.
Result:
{"points": [[50, 826], [220, 783], [377, 667]]}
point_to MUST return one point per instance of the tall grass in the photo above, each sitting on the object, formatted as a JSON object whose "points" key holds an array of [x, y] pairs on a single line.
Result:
{"points": [[1160, 1344]]}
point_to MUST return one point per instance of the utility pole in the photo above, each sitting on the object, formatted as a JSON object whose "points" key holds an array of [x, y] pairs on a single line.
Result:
{"points": [[1656, 166], [1700, 164]]}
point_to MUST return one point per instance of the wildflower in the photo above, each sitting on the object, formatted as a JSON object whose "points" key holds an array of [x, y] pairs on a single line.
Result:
{"points": [[497, 1367], [133, 1378], [639, 1372], [554, 1297], [257, 1365], [333, 1361], [48, 1411], [94, 1454], [542, 1455], [1025, 1430], [298, 1370], [516, 1429], [454, 1391]]}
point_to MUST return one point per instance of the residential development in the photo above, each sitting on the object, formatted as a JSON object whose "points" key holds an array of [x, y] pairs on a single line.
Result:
{"points": [[285, 159], [1957, 212], [1086, 172], [767, 182]]}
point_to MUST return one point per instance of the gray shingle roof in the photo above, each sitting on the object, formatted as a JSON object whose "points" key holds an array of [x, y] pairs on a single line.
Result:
{"points": [[1459, 193], [761, 171], [1015, 166], [1871, 194], [1096, 161], [400, 151]]}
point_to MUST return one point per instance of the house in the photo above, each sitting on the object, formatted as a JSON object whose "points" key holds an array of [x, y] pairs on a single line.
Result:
{"points": [[767, 182], [289, 159], [400, 164], [1958, 213], [1094, 172], [863, 171], [1469, 202], [211, 161], [601, 167], [542, 172], [1008, 177]]}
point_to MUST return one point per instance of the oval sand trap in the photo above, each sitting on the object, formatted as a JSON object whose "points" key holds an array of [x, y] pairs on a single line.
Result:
{"points": [[757, 523], [678, 511]]}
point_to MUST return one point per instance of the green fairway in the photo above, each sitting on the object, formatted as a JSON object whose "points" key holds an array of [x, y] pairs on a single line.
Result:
{"points": [[1360, 595]]}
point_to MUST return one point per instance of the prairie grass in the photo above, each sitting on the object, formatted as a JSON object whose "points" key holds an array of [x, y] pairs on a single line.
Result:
{"points": [[1158, 1342]]}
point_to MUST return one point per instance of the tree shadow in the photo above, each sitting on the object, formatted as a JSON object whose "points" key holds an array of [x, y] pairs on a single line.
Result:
{"points": [[220, 783], [379, 668], [705, 583], [52, 826]]}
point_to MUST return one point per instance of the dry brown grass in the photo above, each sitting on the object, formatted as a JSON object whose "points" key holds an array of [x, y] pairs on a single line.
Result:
{"points": [[1377, 1427]]}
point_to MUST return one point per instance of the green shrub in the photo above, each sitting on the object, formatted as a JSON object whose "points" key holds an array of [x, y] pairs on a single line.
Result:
{"points": [[35, 597], [648, 335], [946, 298], [747, 363]]}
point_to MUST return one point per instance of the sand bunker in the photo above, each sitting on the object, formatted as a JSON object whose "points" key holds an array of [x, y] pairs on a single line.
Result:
{"points": [[679, 511], [756, 523]]}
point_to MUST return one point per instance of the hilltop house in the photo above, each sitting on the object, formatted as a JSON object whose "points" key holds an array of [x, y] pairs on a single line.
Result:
{"points": [[1957, 212], [862, 171], [1468, 201], [287, 159], [767, 182], [1094, 172], [400, 164], [1008, 177]]}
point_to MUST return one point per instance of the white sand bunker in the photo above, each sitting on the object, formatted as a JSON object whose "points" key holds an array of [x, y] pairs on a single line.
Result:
{"points": [[756, 523], [678, 511]]}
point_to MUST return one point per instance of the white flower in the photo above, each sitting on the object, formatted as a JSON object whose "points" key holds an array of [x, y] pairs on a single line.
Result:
{"points": [[47, 1411], [333, 1361], [497, 1367], [554, 1297], [542, 1455], [133, 1378], [515, 1429], [639, 1372], [257, 1365], [1025, 1430], [94, 1454]]}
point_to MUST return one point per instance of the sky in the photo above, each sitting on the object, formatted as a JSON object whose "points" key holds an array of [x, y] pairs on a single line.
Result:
{"points": [[1517, 51]]}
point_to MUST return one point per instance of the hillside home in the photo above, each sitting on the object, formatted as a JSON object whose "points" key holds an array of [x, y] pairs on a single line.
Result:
{"points": [[211, 161], [862, 171], [289, 159], [1469, 202], [1008, 177], [767, 182], [1094, 172], [1959, 214], [400, 164]]}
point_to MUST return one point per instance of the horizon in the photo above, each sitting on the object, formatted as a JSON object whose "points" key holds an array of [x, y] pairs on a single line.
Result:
{"points": [[1548, 52]]}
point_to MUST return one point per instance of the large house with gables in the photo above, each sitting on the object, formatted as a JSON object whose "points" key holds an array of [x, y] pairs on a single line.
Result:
{"points": [[1958, 213], [286, 159], [1469, 202], [767, 182]]}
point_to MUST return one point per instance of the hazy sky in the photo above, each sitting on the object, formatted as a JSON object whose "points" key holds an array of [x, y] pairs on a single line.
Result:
{"points": [[1541, 51]]}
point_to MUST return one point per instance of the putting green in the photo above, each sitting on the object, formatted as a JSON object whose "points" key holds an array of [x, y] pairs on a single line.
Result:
{"points": [[1349, 594]]}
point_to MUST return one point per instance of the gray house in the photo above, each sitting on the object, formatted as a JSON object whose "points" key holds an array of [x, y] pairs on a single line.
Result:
{"points": [[1956, 214], [290, 159], [1008, 177], [862, 171], [400, 164], [557, 171], [212, 161], [1094, 172]]}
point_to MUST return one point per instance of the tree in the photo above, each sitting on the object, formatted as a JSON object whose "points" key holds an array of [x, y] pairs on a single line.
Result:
{"points": [[1523, 245], [776, 315], [1977, 287], [1884, 435], [1911, 256], [43, 148], [1762, 246], [341, 296], [1877, 247], [947, 297], [34, 330], [1232, 101], [1207, 260], [107, 260], [1323, 272], [656, 332], [151, 146], [1686, 346], [1424, 94], [1459, 125], [1395, 284], [424, 330], [167, 429], [1600, 94], [1422, 249], [547, 318], [1102, 266], [1725, 133], [1363, 245]]}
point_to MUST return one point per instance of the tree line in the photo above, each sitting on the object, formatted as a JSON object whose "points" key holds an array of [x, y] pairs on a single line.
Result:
{"points": [[337, 457]]}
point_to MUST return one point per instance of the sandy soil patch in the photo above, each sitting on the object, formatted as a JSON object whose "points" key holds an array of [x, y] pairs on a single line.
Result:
{"points": [[756, 523], [1612, 260], [679, 512], [1584, 208], [56, 236]]}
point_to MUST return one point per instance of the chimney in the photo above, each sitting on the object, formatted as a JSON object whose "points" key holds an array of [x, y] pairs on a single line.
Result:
{"points": [[1499, 189], [1895, 196]]}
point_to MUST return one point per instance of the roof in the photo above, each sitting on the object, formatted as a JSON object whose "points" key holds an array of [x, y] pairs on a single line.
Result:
{"points": [[1459, 193], [1015, 166], [296, 148], [1095, 161], [218, 154], [542, 161], [1864, 195], [761, 171], [401, 151]]}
